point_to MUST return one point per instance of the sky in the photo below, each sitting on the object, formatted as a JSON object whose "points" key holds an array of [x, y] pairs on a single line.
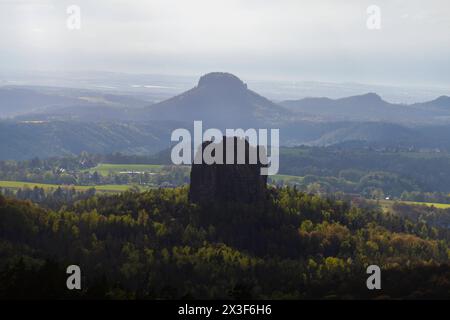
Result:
{"points": [[324, 40]]}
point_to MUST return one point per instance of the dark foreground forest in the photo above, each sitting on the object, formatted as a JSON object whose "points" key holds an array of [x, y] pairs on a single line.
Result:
{"points": [[156, 245]]}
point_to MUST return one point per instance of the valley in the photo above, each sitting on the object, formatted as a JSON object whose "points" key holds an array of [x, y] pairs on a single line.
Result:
{"points": [[131, 176], [217, 158], [360, 180], [50, 121], [87, 176]]}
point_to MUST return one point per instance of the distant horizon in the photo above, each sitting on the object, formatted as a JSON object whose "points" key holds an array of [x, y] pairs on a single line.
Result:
{"points": [[294, 89], [241, 75], [325, 41]]}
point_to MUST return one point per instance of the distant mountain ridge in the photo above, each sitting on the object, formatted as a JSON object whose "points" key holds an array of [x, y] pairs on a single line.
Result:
{"points": [[371, 107], [52, 124], [440, 103], [25, 140], [14, 101], [222, 100], [42, 103], [219, 99]]}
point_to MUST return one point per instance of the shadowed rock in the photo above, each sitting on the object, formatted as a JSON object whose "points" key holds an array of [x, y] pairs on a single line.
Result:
{"points": [[235, 182]]}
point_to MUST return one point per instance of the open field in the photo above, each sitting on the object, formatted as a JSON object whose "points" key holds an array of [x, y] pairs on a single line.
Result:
{"points": [[429, 204], [286, 178], [100, 188], [386, 204], [106, 168]]}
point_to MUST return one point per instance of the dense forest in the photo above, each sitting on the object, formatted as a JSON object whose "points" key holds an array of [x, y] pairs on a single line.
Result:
{"points": [[368, 171], [157, 245]]}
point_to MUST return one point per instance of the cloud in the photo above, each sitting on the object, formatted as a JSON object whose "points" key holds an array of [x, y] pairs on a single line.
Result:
{"points": [[289, 37]]}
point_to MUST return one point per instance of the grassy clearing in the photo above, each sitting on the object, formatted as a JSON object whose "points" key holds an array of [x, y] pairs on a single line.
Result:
{"points": [[428, 204], [286, 178], [106, 168], [100, 188], [387, 204]]}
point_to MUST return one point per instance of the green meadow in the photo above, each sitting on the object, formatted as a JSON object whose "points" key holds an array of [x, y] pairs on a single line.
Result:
{"points": [[100, 188], [387, 204], [106, 168], [286, 178]]}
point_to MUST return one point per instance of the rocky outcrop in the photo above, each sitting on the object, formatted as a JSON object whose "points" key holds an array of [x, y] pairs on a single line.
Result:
{"points": [[222, 80], [235, 182]]}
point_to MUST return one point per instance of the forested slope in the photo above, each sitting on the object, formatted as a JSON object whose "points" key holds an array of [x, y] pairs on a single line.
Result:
{"points": [[158, 245]]}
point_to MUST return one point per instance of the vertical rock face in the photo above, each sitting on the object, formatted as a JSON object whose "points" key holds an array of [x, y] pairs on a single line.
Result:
{"points": [[235, 182], [222, 81]]}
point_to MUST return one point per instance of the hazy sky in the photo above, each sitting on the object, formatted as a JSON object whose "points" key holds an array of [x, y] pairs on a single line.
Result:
{"points": [[280, 39]]}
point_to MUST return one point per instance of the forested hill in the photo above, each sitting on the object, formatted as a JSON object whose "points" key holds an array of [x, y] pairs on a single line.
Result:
{"points": [[158, 245]]}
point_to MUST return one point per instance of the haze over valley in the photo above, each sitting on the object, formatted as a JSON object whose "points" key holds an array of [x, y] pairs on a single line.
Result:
{"points": [[42, 121]]}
